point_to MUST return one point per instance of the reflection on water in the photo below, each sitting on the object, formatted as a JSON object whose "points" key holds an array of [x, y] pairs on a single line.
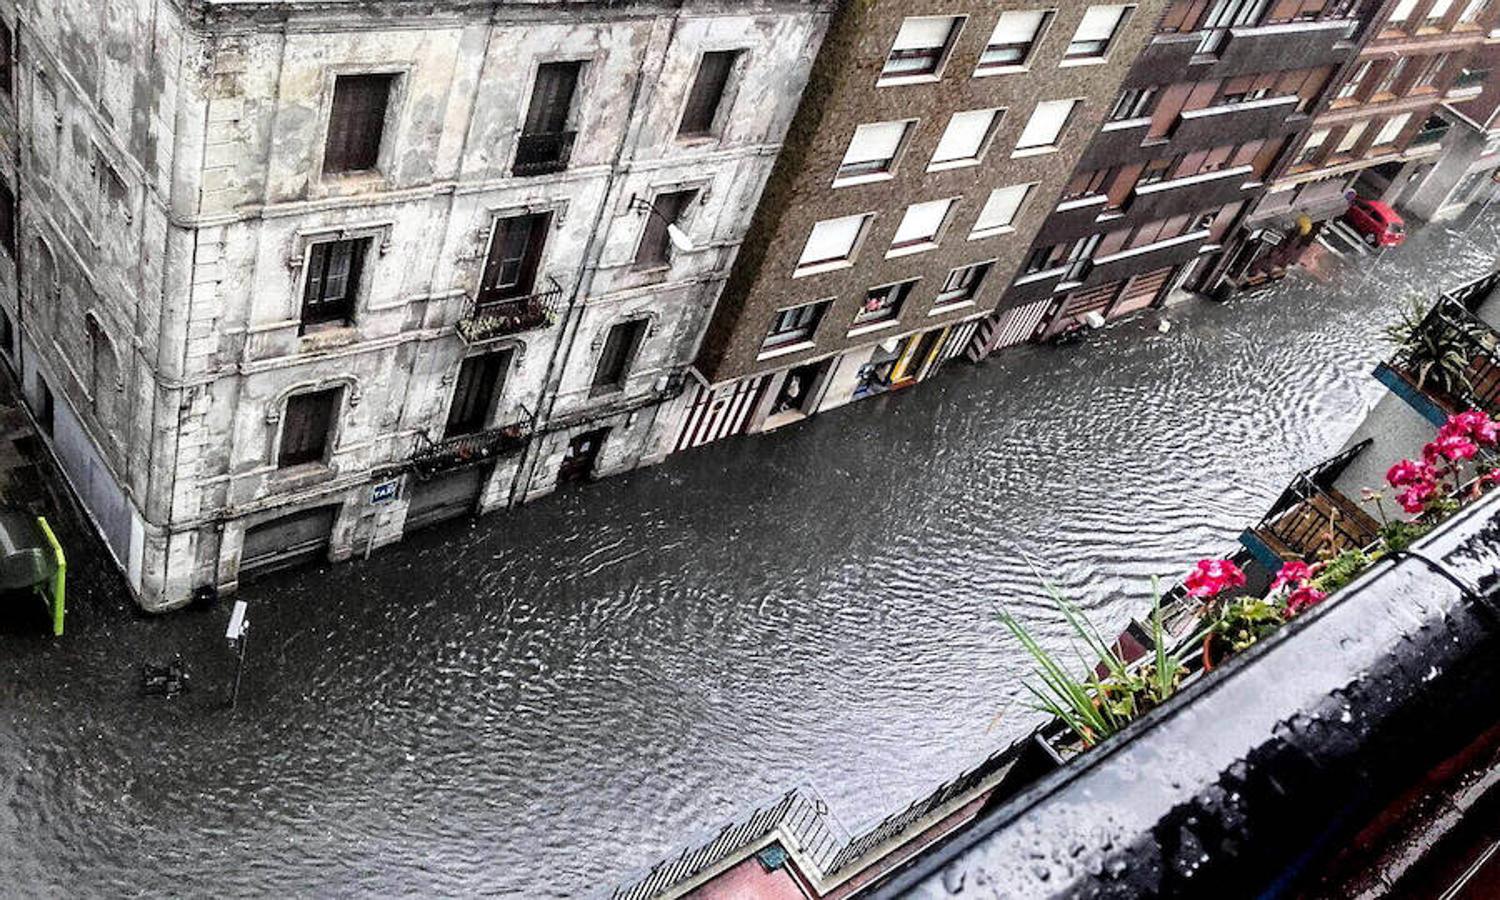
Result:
{"points": [[545, 700]]}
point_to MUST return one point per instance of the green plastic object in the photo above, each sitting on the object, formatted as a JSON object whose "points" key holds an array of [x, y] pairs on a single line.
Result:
{"points": [[31, 557], [59, 579]]}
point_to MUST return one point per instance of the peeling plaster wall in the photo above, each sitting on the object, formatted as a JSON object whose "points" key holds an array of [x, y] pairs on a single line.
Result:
{"points": [[226, 165]]}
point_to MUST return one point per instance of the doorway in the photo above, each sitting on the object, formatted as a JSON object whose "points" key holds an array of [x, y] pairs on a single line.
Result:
{"points": [[288, 541], [583, 452]]}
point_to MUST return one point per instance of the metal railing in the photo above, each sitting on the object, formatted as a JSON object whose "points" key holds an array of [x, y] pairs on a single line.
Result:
{"points": [[1451, 327], [1431, 133], [543, 154], [430, 457], [1469, 79], [489, 319]]}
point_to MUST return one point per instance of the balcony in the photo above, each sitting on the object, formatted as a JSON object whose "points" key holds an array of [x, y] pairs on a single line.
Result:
{"points": [[1433, 131], [491, 319], [431, 457], [543, 154], [1452, 357], [1206, 191], [1249, 50], [1469, 82], [1233, 123], [1171, 252]]}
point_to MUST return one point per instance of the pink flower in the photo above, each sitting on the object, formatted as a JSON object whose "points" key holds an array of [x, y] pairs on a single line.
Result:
{"points": [[1473, 424], [1211, 576], [1409, 471], [1303, 598], [1414, 498], [1293, 573], [1451, 446], [1490, 478]]}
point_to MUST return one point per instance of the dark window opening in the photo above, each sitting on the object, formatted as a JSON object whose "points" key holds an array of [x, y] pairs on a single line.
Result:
{"points": [[962, 285], [305, 427], [707, 93], [619, 351], [546, 142], [7, 59], [8, 220], [656, 244], [7, 335], [481, 380], [515, 254], [883, 303], [799, 323], [333, 273], [1133, 104], [45, 407], [356, 123]]}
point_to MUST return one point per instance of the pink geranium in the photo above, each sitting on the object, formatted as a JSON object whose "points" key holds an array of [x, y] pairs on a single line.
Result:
{"points": [[1452, 447], [1414, 498], [1294, 573], [1473, 424], [1491, 478], [1302, 598], [1409, 471], [1213, 576]]}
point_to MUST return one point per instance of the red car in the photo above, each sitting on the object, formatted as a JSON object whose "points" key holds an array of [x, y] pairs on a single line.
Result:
{"points": [[1376, 221]]}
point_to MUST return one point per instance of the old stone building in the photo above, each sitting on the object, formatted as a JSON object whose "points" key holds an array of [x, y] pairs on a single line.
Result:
{"points": [[297, 277]]}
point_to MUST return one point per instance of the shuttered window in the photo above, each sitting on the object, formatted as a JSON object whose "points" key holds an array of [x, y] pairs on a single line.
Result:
{"points": [[1352, 134], [794, 325], [480, 380], [7, 58], [305, 427], [832, 240], [1439, 10], [7, 220], [1472, 11], [921, 224], [965, 136], [1315, 140], [619, 349], [515, 253], [920, 46], [873, 149], [1391, 129], [1402, 11], [962, 284], [1096, 31], [655, 248], [552, 97], [1014, 35], [1000, 209], [356, 123], [1046, 124], [714, 69], [333, 272]]}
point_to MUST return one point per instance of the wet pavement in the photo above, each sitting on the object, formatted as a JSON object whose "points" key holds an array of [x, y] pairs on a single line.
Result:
{"points": [[543, 701]]}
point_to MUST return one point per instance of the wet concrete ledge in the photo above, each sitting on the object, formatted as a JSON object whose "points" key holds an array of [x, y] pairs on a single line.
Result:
{"points": [[1248, 777]]}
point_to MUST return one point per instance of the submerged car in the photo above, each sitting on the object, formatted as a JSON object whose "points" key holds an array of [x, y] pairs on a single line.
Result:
{"points": [[1377, 222]]}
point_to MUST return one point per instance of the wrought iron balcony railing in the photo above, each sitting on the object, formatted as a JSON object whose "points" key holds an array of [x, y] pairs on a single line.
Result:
{"points": [[430, 457], [543, 154], [1452, 355], [486, 320], [1432, 132]]}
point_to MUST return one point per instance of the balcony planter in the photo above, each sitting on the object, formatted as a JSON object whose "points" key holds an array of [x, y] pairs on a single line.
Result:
{"points": [[488, 320]]}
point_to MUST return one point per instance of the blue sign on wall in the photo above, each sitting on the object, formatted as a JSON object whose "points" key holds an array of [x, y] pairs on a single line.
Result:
{"points": [[385, 491]]}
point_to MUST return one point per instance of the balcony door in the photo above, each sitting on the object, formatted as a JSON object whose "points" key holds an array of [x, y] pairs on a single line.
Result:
{"points": [[552, 98], [515, 253], [479, 385]]}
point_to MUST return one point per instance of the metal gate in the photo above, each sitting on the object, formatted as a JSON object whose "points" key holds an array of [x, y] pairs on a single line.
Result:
{"points": [[443, 497], [288, 541]]}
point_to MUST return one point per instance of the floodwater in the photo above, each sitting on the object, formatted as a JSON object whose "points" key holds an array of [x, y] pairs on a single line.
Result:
{"points": [[541, 702]]}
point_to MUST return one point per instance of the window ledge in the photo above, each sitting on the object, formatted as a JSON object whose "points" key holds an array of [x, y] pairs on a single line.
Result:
{"points": [[821, 267], [883, 324], [1083, 61], [982, 233], [872, 178], [898, 80], [1033, 151], [327, 337], [911, 249], [945, 165], [1001, 70], [950, 307], [787, 350], [300, 476]]}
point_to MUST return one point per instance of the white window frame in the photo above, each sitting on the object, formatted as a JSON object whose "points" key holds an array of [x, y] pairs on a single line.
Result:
{"points": [[1402, 12], [1033, 149], [885, 174], [995, 197], [812, 267], [945, 52], [1044, 23], [922, 241], [996, 115], [1090, 30], [1399, 122]]}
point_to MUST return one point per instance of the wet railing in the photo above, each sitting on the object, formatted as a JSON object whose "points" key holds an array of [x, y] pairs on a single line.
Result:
{"points": [[486, 320], [543, 154], [1452, 354], [430, 457]]}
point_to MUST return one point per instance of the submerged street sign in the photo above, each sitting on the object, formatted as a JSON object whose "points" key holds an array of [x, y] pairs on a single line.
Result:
{"points": [[384, 492]]}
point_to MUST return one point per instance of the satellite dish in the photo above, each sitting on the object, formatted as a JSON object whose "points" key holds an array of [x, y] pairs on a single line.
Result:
{"points": [[679, 239]]}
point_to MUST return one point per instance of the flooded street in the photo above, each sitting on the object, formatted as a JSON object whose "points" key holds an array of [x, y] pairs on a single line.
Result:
{"points": [[541, 702]]}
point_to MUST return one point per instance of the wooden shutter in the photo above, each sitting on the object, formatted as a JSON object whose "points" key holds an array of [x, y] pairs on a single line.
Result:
{"points": [[304, 427], [708, 90], [333, 270], [655, 247], [515, 254], [619, 347], [479, 382], [552, 97], [356, 122]]}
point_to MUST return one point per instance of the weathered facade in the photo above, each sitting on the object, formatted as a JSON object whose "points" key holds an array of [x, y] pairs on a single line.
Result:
{"points": [[1465, 173], [297, 277], [1202, 119], [926, 151]]}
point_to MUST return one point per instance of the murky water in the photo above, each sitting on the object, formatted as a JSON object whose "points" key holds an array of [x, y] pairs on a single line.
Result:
{"points": [[541, 702]]}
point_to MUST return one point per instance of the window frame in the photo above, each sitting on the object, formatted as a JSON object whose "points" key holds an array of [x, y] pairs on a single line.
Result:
{"points": [[942, 303], [944, 53], [355, 280], [926, 241], [997, 118], [654, 228], [804, 267], [490, 293], [842, 180], [640, 330], [888, 313], [787, 340], [1050, 147], [1028, 49], [333, 395], [395, 79], [723, 103], [1095, 50], [979, 231]]}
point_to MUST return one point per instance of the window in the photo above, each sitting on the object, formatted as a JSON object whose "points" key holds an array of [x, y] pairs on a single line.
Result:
{"points": [[1438, 12], [1472, 12], [655, 248], [515, 254], [619, 351], [480, 380], [46, 406], [1226, 14], [1046, 124], [832, 241], [1391, 130], [962, 285], [1402, 11], [883, 304], [1351, 87], [305, 427], [1387, 83], [1088, 183], [921, 46], [7, 58], [965, 138], [333, 272], [1132, 104], [714, 69], [1427, 76], [1095, 33], [1000, 210], [7, 220], [7, 335], [873, 149], [920, 226], [1351, 137], [546, 140], [1315, 140], [1156, 170], [356, 122], [794, 325], [1014, 36]]}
